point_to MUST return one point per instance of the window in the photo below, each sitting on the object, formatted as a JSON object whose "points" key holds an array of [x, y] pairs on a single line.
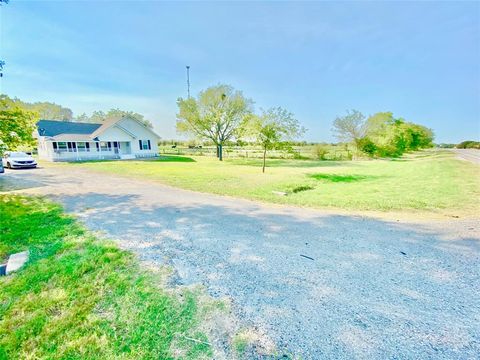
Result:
{"points": [[144, 145], [105, 146], [81, 146], [61, 146]]}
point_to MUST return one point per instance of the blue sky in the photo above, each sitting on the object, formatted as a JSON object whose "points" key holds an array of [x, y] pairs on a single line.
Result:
{"points": [[420, 60]]}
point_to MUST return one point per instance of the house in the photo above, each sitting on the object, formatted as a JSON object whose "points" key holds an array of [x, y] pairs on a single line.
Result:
{"points": [[124, 138]]}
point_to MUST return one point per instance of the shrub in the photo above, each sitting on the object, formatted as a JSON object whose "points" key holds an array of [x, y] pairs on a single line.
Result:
{"points": [[320, 151], [367, 146]]}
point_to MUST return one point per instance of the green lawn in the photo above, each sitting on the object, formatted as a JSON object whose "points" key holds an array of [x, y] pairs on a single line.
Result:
{"points": [[426, 181], [82, 298]]}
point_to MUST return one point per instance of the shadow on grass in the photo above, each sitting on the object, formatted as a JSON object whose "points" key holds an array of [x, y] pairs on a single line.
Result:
{"points": [[341, 178], [175, 158], [288, 163]]}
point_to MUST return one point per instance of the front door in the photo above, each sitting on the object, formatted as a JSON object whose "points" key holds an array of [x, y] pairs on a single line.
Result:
{"points": [[125, 148]]}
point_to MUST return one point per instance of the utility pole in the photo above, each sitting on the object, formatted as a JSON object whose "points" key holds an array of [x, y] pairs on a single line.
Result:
{"points": [[188, 81]]}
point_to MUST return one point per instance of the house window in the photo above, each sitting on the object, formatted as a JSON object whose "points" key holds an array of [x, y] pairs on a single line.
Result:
{"points": [[61, 146], [105, 146], [81, 146], [144, 145]]}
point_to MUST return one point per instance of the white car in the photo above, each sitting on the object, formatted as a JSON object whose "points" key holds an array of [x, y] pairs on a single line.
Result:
{"points": [[18, 159]]}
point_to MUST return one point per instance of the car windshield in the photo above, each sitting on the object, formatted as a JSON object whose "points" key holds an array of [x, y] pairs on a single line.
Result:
{"points": [[17, 155]]}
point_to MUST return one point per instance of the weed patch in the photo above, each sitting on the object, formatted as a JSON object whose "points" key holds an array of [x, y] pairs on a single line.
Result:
{"points": [[301, 188], [341, 178]]}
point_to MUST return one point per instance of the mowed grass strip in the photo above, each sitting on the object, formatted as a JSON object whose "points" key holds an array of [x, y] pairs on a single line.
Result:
{"points": [[424, 181], [82, 298]]}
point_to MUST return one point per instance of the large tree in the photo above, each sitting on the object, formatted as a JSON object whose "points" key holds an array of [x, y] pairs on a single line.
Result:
{"points": [[273, 129], [216, 114], [50, 111], [349, 128], [44, 110], [393, 136], [16, 125], [99, 116]]}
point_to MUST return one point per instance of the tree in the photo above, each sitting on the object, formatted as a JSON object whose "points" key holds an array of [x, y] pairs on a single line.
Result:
{"points": [[82, 118], [99, 117], [217, 115], [16, 125], [273, 129], [349, 128], [45, 110], [50, 111], [469, 144], [393, 136]]}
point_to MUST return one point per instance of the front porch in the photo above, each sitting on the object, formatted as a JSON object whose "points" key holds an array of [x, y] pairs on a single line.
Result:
{"points": [[90, 150]]}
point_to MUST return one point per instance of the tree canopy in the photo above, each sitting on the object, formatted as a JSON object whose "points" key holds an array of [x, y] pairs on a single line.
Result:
{"points": [[382, 134], [349, 128], [16, 125], [273, 129], [216, 114], [100, 116], [44, 110]]}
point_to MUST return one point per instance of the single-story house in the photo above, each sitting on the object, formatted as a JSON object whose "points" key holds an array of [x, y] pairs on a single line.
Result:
{"points": [[124, 138]]}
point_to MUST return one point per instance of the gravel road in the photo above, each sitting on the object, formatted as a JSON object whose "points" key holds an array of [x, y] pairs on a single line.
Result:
{"points": [[322, 285]]}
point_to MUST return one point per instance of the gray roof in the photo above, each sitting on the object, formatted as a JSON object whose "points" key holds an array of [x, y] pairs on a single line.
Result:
{"points": [[55, 127]]}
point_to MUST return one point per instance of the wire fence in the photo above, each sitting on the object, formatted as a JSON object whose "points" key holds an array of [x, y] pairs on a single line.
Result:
{"points": [[298, 152]]}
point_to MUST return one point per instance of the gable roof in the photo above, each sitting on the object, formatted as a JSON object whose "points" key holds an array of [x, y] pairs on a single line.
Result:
{"points": [[107, 124], [112, 122], [55, 127]]}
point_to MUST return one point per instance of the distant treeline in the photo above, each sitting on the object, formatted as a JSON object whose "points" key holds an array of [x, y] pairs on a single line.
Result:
{"points": [[468, 144], [52, 111]]}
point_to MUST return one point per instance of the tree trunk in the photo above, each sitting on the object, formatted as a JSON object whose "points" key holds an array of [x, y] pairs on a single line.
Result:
{"points": [[220, 152], [264, 159]]}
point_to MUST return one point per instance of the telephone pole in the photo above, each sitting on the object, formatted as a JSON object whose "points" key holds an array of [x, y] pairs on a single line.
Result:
{"points": [[188, 81]]}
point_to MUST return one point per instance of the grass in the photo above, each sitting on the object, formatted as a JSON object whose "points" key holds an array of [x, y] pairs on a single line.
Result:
{"points": [[428, 181], [82, 298]]}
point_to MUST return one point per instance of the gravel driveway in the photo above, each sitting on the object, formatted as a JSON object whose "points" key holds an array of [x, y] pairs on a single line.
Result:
{"points": [[323, 286]]}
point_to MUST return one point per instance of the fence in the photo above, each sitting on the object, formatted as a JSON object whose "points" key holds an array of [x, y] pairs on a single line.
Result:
{"points": [[298, 152]]}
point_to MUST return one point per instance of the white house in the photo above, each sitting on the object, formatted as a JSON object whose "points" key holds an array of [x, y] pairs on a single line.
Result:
{"points": [[124, 138]]}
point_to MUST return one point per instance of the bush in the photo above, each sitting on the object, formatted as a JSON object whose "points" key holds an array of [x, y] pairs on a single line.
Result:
{"points": [[320, 151], [367, 146]]}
